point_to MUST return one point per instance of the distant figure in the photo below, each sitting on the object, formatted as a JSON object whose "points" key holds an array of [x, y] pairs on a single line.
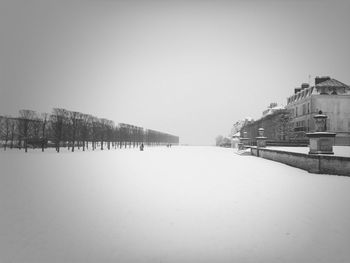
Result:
{"points": [[141, 147]]}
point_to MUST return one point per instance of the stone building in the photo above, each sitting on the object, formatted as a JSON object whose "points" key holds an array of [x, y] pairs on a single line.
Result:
{"points": [[235, 131], [330, 96], [276, 126]]}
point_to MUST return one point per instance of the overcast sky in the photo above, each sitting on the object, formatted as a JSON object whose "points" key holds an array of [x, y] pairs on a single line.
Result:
{"points": [[190, 68]]}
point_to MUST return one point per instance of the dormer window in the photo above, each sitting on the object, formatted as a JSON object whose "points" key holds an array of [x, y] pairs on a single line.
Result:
{"points": [[323, 91]]}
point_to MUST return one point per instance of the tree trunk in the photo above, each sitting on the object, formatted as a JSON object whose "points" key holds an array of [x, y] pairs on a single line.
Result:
{"points": [[58, 146], [12, 135]]}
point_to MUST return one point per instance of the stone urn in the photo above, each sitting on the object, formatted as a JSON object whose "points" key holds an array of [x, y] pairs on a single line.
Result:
{"points": [[321, 141], [261, 139]]}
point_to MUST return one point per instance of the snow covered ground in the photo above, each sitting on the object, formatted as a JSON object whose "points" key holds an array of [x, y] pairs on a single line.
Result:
{"points": [[179, 204]]}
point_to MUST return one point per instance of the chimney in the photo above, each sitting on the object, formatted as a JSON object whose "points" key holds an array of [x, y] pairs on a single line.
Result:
{"points": [[272, 105], [296, 90], [319, 80], [304, 86]]}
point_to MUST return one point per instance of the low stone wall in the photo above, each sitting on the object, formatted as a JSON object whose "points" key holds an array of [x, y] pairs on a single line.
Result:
{"points": [[324, 164]]}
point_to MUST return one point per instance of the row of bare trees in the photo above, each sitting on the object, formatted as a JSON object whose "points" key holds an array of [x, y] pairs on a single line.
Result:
{"points": [[71, 129]]}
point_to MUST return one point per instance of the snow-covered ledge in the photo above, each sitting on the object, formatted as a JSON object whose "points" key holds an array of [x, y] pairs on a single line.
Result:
{"points": [[323, 164]]}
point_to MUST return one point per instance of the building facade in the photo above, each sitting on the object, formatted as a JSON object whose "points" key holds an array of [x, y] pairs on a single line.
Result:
{"points": [[235, 133], [328, 95], [291, 123], [276, 126]]}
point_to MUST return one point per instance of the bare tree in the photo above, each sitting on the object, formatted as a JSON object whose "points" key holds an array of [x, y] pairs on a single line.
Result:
{"points": [[95, 130], [35, 139], [105, 132], [13, 124], [125, 133], [44, 117], [284, 126], [25, 120], [72, 128], [4, 129], [118, 136], [58, 120], [74, 119], [8, 127], [109, 128], [85, 129]]}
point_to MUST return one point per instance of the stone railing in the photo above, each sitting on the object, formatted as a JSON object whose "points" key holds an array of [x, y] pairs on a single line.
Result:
{"points": [[322, 164]]}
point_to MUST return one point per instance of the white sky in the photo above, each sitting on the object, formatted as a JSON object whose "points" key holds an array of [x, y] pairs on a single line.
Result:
{"points": [[190, 68]]}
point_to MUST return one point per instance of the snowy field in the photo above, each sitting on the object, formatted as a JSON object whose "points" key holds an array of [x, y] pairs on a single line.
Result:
{"points": [[179, 204]]}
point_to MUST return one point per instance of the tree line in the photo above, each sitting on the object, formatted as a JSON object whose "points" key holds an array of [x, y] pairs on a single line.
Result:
{"points": [[222, 141], [72, 129]]}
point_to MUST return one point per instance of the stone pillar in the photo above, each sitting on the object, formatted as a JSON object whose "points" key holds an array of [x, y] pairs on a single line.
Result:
{"points": [[244, 141], [234, 142], [261, 139], [321, 141]]}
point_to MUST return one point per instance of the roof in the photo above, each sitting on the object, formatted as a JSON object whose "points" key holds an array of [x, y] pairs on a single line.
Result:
{"points": [[238, 134], [273, 109], [278, 107], [332, 83]]}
